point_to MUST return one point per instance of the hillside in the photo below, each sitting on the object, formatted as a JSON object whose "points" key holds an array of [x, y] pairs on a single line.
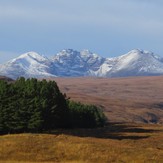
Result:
{"points": [[135, 99], [114, 143]]}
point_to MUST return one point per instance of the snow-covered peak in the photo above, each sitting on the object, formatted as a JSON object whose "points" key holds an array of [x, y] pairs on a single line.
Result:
{"points": [[73, 55], [136, 62], [135, 55], [70, 62], [29, 64], [65, 54], [32, 56], [139, 52], [85, 54]]}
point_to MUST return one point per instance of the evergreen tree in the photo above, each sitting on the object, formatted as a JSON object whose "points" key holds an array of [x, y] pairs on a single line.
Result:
{"points": [[34, 106]]}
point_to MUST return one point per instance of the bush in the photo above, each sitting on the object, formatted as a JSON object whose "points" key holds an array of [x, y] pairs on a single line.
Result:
{"points": [[85, 116]]}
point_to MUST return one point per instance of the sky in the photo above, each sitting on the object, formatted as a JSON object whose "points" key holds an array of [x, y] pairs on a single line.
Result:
{"points": [[109, 27]]}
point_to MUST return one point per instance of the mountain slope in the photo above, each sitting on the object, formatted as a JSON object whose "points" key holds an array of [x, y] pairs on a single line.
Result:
{"points": [[28, 65], [74, 63], [136, 63], [71, 63]]}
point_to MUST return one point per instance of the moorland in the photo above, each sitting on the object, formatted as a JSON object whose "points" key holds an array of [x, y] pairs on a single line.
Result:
{"points": [[132, 99], [134, 132]]}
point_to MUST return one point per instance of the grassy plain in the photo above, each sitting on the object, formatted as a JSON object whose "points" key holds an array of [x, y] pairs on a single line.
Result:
{"points": [[128, 143], [129, 104]]}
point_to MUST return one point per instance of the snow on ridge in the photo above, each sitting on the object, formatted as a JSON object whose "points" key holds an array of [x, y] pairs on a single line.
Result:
{"points": [[33, 55], [69, 62]]}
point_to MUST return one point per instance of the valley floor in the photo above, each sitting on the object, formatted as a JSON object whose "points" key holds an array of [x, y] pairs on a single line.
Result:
{"points": [[118, 143]]}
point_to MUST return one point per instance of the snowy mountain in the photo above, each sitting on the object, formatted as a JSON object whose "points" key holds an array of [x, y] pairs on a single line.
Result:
{"points": [[71, 63], [74, 63], [134, 63], [28, 65]]}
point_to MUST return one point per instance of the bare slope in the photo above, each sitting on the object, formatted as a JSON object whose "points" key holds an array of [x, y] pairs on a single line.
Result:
{"points": [[137, 99]]}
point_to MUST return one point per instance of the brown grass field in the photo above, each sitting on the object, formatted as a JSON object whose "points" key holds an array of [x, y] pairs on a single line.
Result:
{"points": [[118, 143], [135, 99], [134, 133]]}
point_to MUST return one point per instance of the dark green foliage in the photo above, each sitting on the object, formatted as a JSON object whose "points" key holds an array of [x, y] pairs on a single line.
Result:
{"points": [[31, 106], [34, 106], [85, 116]]}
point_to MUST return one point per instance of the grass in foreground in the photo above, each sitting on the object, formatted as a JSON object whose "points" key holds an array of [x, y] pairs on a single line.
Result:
{"points": [[114, 143]]}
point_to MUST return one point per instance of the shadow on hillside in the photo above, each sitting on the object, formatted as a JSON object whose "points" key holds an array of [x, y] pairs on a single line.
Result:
{"points": [[117, 131]]}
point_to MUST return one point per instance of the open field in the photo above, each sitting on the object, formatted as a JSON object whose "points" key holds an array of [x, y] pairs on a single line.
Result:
{"points": [[128, 143], [131, 101], [135, 99]]}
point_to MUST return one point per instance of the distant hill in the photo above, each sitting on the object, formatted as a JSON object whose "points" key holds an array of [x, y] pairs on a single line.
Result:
{"points": [[132, 99], [71, 63]]}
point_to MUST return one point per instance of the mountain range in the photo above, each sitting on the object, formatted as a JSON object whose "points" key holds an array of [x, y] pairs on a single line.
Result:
{"points": [[72, 63]]}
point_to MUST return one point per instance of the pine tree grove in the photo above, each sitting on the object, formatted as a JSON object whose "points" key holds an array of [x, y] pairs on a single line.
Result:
{"points": [[30, 105]]}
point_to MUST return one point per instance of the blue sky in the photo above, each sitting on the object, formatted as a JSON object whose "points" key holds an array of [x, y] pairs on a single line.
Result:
{"points": [[108, 27]]}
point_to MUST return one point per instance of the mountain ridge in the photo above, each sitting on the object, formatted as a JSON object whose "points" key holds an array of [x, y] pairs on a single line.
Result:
{"points": [[72, 63]]}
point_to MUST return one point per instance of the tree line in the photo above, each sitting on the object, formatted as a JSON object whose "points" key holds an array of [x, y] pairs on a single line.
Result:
{"points": [[30, 105]]}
